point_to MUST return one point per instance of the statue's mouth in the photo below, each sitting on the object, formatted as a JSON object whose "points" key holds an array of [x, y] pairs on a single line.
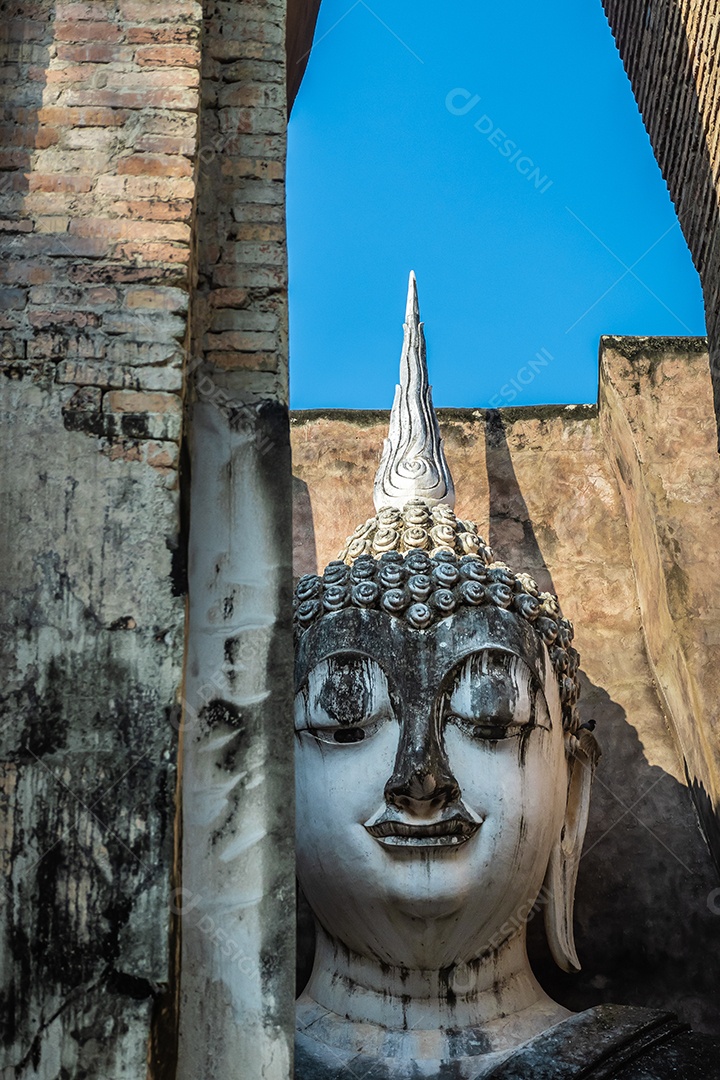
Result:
{"points": [[451, 832]]}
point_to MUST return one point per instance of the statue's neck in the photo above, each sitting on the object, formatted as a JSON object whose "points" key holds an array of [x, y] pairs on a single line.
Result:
{"points": [[484, 994]]}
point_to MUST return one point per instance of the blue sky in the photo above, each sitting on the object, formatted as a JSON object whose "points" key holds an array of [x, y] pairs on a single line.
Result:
{"points": [[495, 149]]}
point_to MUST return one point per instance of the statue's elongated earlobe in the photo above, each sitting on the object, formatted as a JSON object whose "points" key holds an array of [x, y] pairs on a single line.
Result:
{"points": [[582, 756]]}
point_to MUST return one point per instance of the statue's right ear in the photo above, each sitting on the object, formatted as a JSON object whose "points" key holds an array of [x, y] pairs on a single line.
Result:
{"points": [[582, 754]]}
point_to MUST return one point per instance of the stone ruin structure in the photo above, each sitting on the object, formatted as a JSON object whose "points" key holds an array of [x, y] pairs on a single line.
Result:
{"points": [[147, 848]]}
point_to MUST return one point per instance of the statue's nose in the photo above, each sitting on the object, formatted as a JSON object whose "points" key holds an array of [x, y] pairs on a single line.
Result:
{"points": [[421, 788]]}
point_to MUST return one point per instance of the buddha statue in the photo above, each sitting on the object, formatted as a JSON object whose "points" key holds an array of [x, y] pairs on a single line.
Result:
{"points": [[443, 785]]}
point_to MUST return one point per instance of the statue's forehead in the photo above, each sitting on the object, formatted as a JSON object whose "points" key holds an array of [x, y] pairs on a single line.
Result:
{"points": [[418, 659]]}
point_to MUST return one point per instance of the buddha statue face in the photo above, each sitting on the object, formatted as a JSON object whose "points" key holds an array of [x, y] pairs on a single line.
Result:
{"points": [[441, 772], [431, 781]]}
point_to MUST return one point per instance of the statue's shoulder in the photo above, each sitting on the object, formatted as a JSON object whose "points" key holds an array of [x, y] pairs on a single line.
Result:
{"points": [[615, 1041]]}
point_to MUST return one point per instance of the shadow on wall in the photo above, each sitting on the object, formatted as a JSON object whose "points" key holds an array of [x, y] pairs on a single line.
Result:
{"points": [[304, 546], [658, 55], [648, 905]]}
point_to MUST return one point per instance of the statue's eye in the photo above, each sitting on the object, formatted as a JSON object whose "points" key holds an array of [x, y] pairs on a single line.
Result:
{"points": [[487, 728], [343, 735], [346, 701], [349, 735]]}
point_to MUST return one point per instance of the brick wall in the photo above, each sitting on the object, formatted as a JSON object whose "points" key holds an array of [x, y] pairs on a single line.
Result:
{"points": [[97, 188], [97, 196], [241, 297], [669, 51]]}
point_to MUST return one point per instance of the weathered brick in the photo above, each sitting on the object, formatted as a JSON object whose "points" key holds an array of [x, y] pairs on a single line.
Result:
{"points": [[82, 117], [95, 53], [125, 450], [253, 168], [12, 299], [258, 95], [98, 139], [250, 277], [168, 35], [63, 244], [229, 298], [123, 273], [14, 159], [246, 361], [172, 55], [155, 209], [89, 11], [258, 254], [145, 187], [59, 182], [253, 121], [12, 225], [239, 342], [239, 319], [143, 328], [259, 212], [24, 272], [83, 162], [155, 165], [85, 373], [253, 71], [49, 319], [166, 144], [133, 401], [86, 31], [259, 191], [151, 79], [119, 229], [143, 353], [256, 231], [153, 253], [183, 98], [22, 30], [157, 299], [162, 455], [114, 376], [168, 11], [98, 298], [51, 224], [66, 345]]}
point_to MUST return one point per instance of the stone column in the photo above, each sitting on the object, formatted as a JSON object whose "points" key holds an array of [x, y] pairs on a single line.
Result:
{"points": [[237, 896]]}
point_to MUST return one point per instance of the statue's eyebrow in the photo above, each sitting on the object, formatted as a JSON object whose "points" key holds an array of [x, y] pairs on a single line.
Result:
{"points": [[351, 690], [488, 679]]}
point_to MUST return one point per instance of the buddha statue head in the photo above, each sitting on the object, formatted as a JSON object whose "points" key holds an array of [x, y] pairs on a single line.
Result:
{"points": [[443, 775]]}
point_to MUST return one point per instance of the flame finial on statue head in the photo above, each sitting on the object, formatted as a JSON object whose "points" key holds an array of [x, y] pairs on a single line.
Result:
{"points": [[413, 464]]}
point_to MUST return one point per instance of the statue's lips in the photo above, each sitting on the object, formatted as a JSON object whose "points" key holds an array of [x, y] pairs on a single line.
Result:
{"points": [[449, 833]]}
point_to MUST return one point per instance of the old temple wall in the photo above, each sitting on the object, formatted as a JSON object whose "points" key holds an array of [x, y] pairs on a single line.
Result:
{"points": [[99, 137], [611, 508]]}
